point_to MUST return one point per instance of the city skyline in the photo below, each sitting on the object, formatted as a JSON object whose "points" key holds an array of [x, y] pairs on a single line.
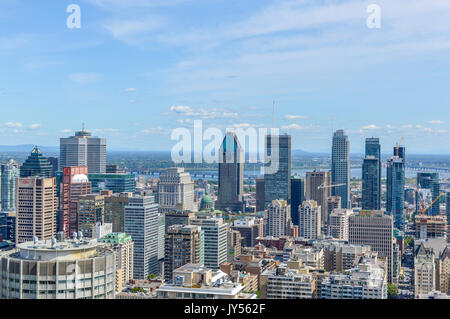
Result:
{"points": [[289, 52]]}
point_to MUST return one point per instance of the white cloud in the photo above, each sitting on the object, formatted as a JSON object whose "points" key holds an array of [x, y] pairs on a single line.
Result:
{"points": [[35, 126], [156, 130], [294, 127], [295, 117], [13, 124], [370, 127], [84, 77], [436, 122], [130, 90], [66, 131], [202, 113]]}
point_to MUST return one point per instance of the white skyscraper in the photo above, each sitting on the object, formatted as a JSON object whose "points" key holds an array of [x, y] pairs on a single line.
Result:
{"points": [[175, 187], [278, 219], [83, 150], [309, 220]]}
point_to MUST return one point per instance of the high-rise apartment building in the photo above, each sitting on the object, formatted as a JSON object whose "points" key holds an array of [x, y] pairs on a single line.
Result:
{"points": [[9, 174], [231, 175], [249, 229], [175, 187], [318, 189], [115, 210], [333, 202], [184, 244], [297, 196], [83, 149], [340, 167], [91, 210], [36, 205], [277, 169], [215, 240], [123, 246], [178, 217], [74, 184], [375, 229], [36, 165], [309, 216], [277, 221], [338, 223], [141, 222], [395, 189], [371, 175], [447, 207]]}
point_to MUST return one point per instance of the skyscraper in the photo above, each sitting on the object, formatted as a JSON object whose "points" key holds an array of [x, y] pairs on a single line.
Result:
{"points": [[278, 219], [429, 181], [395, 189], [36, 165], [375, 229], [9, 173], [141, 222], [183, 245], [83, 150], [340, 167], [175, 187], [297, 196], [36, 205], [259, 194], [74, 184], [277, 169], [231, 174], [371, 175], [215, 240], [309, 220], [91, 210], [318, 189]]}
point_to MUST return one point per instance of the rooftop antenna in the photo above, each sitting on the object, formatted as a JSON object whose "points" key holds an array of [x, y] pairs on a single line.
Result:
{"points": [[82, 127]]}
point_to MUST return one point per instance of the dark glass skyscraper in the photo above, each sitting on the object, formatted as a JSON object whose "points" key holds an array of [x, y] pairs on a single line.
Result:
{"points": [[395, 199], [297, 196], [371, 175], [231, 174], [36, 165], [340, 167], [429, 181], [277, 169]]}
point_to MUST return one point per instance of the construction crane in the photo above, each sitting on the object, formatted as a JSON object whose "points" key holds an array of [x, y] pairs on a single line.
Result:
{"points": [[424, 209], [329, 186], [398, 146]]}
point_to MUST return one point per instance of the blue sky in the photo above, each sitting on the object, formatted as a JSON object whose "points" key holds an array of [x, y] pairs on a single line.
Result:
{"points": [[137, 69]]}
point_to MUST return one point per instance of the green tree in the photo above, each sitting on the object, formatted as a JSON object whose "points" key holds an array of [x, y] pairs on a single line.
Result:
{"points": [[151, 276], [392, 291]]}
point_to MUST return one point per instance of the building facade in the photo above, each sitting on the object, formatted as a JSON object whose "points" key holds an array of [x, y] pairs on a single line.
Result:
{"points": [[297, 196], [277, 169], [83, 149], [141, 222], [175, 187], [309, 220], [231, 175], [36, 204], [183, 245], [9, 174], [71, 269], [340, 167], [278, 219]]}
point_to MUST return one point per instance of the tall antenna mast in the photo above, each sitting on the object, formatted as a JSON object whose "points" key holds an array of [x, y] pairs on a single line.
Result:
{"points": [[82, 126]]}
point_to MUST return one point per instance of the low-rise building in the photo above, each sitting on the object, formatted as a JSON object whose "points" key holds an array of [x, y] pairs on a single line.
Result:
{"points": [[194, 281]]}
